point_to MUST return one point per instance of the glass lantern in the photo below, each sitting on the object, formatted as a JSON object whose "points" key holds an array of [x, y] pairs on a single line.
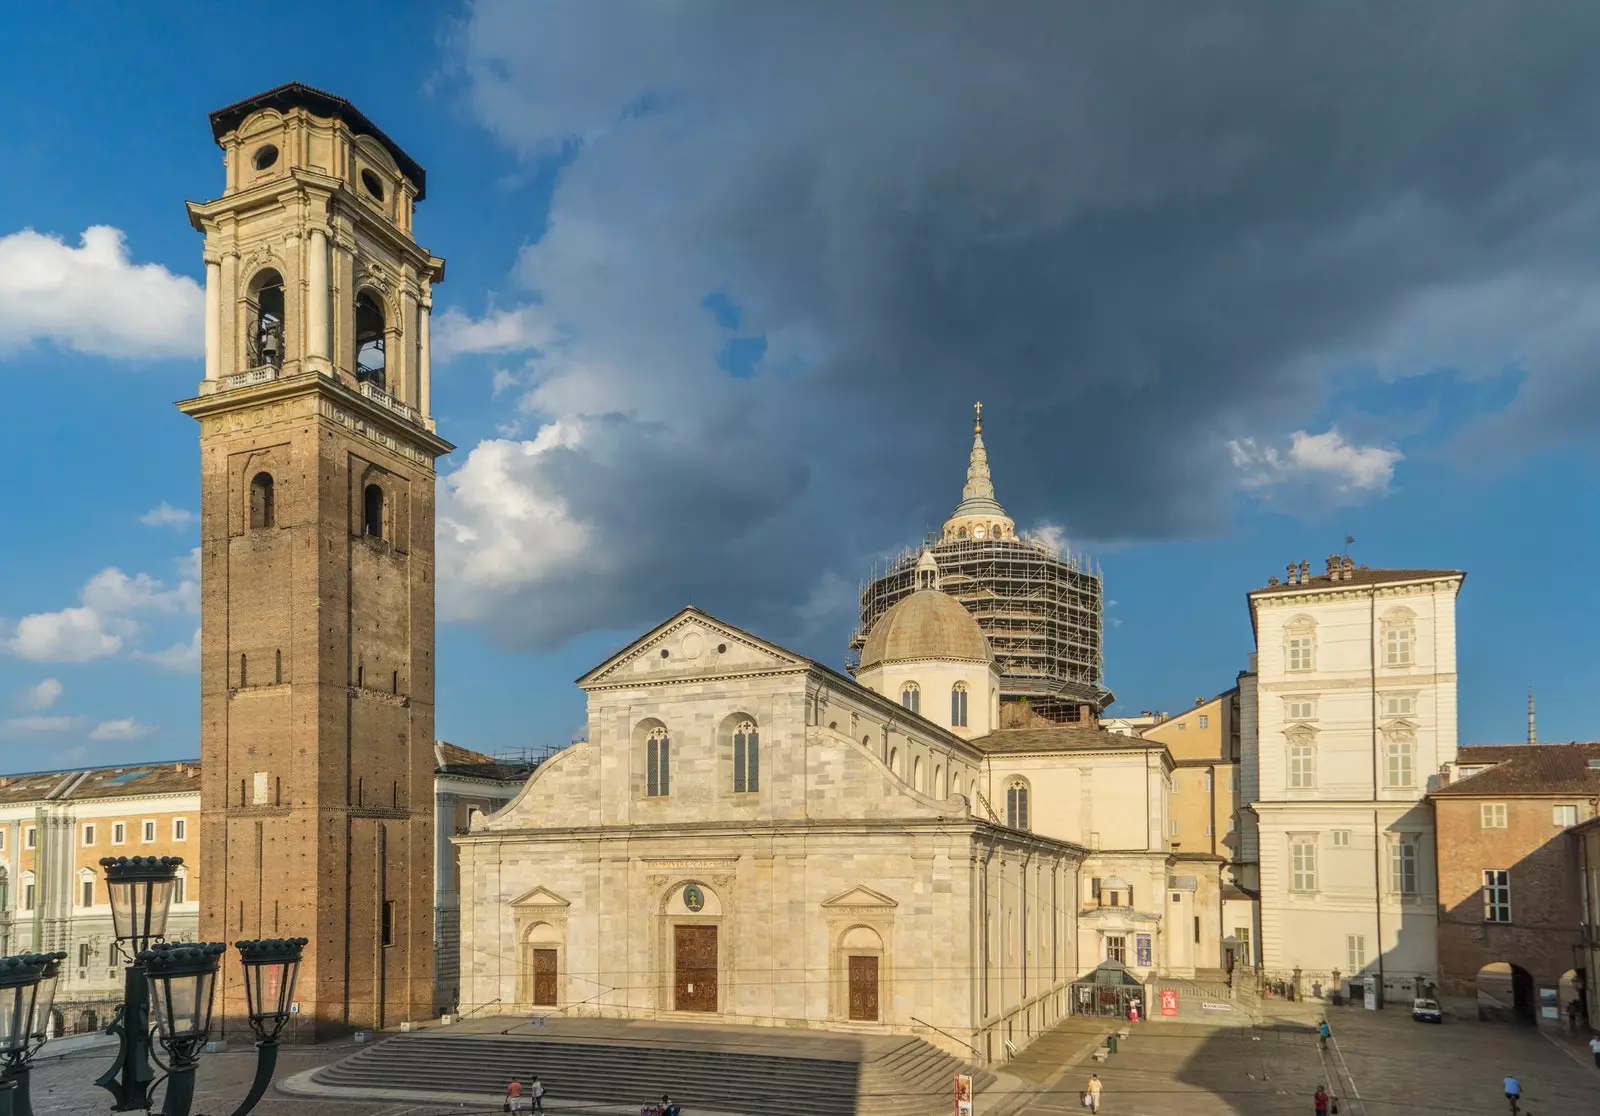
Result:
{"points": [[46, 999], [141, 894], [20, 978], [270, 968], [183, 980]]}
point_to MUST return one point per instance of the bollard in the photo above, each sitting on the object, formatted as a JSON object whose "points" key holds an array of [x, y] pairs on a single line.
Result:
{"points": [[1111, 1043]]}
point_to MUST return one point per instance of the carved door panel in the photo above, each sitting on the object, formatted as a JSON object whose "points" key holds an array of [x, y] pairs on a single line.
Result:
{"points": [[695, 968], [544, 977], [864, 988]]}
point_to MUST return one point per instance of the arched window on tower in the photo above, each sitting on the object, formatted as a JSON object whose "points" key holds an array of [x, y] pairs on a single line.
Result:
{"points": [[263, 504], [746, 758], [372, 511], [958, 705], [265, 325], [1017, 804], [371, 363], [911, 697]]}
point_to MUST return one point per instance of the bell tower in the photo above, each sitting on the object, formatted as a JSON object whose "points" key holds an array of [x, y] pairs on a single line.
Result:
{"points": [[317, 450]]}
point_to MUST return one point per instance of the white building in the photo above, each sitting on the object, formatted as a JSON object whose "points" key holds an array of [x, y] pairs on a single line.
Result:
{"points": [[1354, 714]]}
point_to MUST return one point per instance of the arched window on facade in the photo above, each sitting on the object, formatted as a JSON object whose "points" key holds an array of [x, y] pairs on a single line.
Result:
{"points": [[1302, 758], [1017, 804], [372, 511], [958, 705], [657, 763], [1300, 643], [263, 502], [894, 760], [916, 773], [371, 336], [1399, 637], [911, 697], [264, 326], [938, 781], [746, 758]]}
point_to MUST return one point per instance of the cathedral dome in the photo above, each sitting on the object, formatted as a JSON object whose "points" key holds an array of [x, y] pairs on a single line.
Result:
{"points": [[926, 626]]}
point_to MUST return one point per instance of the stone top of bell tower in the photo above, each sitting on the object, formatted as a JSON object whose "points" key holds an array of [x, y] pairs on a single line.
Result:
{"points": [[979, 516]]}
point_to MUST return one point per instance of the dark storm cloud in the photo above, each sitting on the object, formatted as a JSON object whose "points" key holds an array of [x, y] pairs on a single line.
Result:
{"points": [[1138, 231]]}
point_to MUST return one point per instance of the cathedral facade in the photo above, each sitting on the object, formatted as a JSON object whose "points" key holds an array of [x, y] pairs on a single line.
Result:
{"points": [[750, 837]]}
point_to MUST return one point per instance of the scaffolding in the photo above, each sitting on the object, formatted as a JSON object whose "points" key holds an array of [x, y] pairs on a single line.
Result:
{"points": [[1041, 609]]}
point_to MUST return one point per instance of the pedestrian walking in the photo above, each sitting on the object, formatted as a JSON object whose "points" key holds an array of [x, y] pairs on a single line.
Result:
{"points": [[1594, 1048], [1324, 1032], [536, 1094], [1319, 1101], [1091, 1095], [514, 1096]]}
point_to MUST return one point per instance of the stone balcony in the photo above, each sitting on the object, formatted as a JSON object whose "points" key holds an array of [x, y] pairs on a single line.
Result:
{"points": [[267, 373]]}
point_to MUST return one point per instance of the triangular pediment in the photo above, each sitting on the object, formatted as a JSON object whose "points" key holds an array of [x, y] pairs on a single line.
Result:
{"points": [[692, 645], [541, 897], [860, 897]]}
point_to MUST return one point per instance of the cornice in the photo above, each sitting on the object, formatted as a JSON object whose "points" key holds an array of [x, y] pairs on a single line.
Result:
{"points": [[1321, 593], [337, 403]]}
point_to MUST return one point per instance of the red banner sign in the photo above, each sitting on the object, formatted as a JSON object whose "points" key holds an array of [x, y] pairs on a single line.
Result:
{"points": [[1169, 1001]]}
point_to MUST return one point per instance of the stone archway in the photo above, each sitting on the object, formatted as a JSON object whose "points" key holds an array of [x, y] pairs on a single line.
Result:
{"points": [[1506, 994], [693, 949], [542, 967], [861, 959]]}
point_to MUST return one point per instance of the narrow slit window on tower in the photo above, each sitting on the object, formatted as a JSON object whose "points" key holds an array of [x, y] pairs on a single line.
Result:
{"points": [[394, 682], [263, 502], [370, 338], [264, 302], [243, 674], [278, 665], [372, 511]]}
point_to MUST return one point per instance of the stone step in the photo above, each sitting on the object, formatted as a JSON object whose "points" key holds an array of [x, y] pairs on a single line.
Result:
{"points": [[913, 1079]]}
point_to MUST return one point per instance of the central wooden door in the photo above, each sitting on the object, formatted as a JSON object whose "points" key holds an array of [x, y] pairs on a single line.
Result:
{"points": [[544, 977], [694, 968], [864, 988]]}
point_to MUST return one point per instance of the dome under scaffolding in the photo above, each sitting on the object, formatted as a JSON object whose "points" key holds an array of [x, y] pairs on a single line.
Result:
{"points": [[1041, 609]]}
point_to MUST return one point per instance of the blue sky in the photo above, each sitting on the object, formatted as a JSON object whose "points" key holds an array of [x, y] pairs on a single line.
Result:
{"points": [[724, 281]]}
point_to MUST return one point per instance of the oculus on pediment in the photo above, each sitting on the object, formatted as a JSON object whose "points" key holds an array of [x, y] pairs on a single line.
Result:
{"points": [[692, 642]]}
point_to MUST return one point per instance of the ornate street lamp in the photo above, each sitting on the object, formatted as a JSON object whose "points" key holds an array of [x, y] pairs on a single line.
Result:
{"points": [[141, 894], [183, 982], [179, 980], [27, 992], [270, 968]]}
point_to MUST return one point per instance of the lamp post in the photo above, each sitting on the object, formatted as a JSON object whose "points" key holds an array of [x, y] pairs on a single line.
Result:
{"points": [[27, 991], [177, 979]]}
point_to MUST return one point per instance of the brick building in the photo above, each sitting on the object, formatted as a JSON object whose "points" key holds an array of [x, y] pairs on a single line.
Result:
{"points": [[1508, 875]]}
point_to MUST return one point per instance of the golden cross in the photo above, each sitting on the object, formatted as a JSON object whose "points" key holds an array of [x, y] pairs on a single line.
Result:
{"points": [[978, 409]]}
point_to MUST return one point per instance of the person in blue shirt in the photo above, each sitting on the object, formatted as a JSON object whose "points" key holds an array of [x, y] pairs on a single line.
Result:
{"points": [[1513, 1092], [1323, 1031]]}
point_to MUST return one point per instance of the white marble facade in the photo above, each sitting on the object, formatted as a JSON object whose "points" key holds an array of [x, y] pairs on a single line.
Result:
{"points": [[811, 853]]}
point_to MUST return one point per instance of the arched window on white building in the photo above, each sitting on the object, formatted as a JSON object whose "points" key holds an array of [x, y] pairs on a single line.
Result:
{"points": [[746, 758], [1017, 804], [911, 697], [958, 705]]}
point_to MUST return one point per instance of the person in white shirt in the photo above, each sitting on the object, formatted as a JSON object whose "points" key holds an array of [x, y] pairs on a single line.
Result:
{"points": [[1594, 1047]]}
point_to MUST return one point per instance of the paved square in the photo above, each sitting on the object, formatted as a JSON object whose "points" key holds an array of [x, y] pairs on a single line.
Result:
{"points": [[1380, 1064]]}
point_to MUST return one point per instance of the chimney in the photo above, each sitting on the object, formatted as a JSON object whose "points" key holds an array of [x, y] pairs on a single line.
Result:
{"points": [[1333, 567], [1349, 569], [1290, 579], [1272, 581], [1198, 702], [1305, 571], [1533, 733]]}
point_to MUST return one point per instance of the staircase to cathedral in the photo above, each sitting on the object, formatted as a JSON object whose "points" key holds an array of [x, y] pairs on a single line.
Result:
{"points": [[775, 1074]]}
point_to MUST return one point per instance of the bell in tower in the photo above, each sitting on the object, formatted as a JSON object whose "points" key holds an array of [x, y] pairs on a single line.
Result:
{"points": [[318, 452]]}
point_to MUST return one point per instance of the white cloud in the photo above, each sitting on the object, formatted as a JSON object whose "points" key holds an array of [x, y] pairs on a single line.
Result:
{"points": [[43, 694], [125, 729], [184, 658], [1323, 461], [73, 635], [499, 331], [94, 299], [165, 515], [104, 624], [40, 724], [500, 526]]}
